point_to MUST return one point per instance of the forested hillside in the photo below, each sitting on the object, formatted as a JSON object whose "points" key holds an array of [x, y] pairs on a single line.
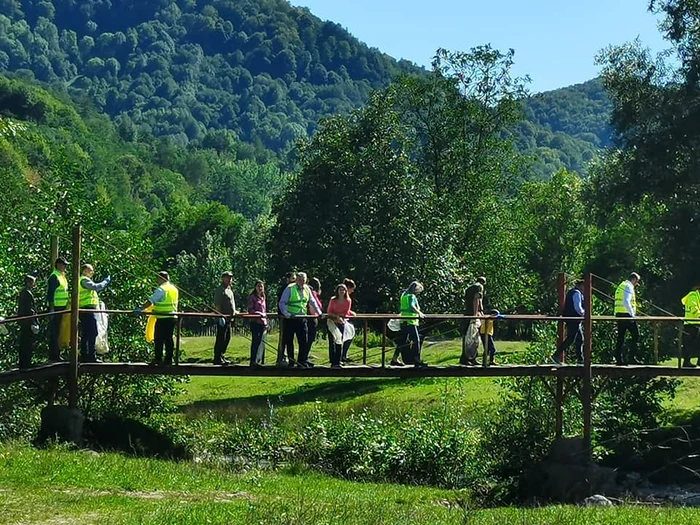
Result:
{"points": [[565, 128], [177, 68]]}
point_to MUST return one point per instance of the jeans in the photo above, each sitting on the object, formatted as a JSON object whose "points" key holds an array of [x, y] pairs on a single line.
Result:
{"points": [[574, 335], [163, 337], [622, 327], [223, 337], [257, 343], [489, 345], [335, 350], [88, 336]]}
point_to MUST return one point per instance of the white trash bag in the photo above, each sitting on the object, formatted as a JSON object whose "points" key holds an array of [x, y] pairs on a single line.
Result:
{"points": [[101, 344], [394, 325]]}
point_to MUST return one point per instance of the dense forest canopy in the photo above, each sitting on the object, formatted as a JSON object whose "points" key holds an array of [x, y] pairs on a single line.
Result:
{"points": [[261, 70]]}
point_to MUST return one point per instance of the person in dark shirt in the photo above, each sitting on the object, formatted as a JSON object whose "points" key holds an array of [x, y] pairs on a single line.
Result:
{"points": [[28, 328], [573, 307], [225, 304]]}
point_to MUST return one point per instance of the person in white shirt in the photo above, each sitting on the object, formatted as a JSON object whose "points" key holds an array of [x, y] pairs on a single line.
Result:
{"points": [[626, 307]]}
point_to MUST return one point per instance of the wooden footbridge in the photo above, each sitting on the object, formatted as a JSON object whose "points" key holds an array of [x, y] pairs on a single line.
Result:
{"points": [[570, 379]]}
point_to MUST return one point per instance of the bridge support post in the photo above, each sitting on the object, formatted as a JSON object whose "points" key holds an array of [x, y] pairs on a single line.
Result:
{"points": [[75, 302], [586, 390], [559, 395]]}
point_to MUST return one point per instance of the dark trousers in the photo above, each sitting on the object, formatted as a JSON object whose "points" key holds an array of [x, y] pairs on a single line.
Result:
{"points": [[311, 339], [410, 344], [163, 337], [287, 344], [335, 351], [622, 328], [489, 345], [302, 329], [88, 335], [223, 337], [26, 346], [54, 332], [257, 343], [299, 328], [691, 343], [574, 335]]}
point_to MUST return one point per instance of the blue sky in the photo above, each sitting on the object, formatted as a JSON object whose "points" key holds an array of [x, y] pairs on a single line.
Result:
{"points": [[555, 41]]}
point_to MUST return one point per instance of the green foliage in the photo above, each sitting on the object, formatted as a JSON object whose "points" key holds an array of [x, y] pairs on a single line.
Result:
{"points": [[263, 69]]}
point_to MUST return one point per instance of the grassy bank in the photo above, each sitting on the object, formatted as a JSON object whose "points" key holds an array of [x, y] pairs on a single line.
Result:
{"points": [[240, 397], [64, 487]]}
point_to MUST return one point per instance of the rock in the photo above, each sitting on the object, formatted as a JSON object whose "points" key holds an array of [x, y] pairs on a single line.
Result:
{"points": [[61, 423], [597, 500]]}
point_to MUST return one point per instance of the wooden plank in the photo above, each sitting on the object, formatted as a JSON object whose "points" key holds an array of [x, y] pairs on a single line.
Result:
{"points": [[323, 371], [35, 373]]}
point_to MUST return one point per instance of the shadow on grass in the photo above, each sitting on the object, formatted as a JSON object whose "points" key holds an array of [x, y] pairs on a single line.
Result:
{"points": [[329, 391]]}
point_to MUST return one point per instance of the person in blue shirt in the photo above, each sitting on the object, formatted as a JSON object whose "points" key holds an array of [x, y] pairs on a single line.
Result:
{"points": [[573, 307], [88, 300]]}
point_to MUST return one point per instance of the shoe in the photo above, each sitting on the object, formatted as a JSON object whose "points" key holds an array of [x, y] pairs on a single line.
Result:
{"points": [[395, 362], [337, 366], [580, 362], [556, 359], [220, 362], [420, 364], [156, 362], [256, 365], [282, 364], [635, 361], [620, 362], [492, 362], [299, 365], [168, 362], [225, 361]]}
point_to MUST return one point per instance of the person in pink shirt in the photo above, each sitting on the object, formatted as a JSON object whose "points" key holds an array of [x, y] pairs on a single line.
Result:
{"points": [[339, 309], [258, 325]]}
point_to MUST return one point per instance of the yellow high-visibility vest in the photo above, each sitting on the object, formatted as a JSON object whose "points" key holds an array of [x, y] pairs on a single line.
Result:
{"points": [[166, 307], [620, 295], [60, 294], [87, 298]]}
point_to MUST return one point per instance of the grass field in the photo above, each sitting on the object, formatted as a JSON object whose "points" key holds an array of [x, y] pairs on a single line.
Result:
{"points": [[237, 397], [240, 397], [62, 487]]}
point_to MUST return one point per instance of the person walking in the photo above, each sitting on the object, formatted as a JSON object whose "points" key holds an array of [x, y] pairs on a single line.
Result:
{"points": [[339, 309], [225, 304], [573, 307], [410, 347], [28, 328], [691, 344], [486, 332], [626, 310], [258, 326], [473, 306], [164, 301], [350, 285], [296, 301], [57, 298], [285, 353], [88, 300]]}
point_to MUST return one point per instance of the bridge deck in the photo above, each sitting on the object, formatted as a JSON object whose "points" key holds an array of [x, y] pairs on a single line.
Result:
{"points": [[366, 371]]}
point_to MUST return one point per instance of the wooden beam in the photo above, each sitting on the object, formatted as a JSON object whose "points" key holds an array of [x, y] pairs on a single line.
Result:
{"points": [[36, 373], [75, 302]]}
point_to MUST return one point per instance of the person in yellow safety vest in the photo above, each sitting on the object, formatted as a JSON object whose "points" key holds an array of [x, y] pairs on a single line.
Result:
{"points": [[88, 300], [164, 301], [57, 297], [410, 344], [295, 301], [626, 309], [691, 345]]}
